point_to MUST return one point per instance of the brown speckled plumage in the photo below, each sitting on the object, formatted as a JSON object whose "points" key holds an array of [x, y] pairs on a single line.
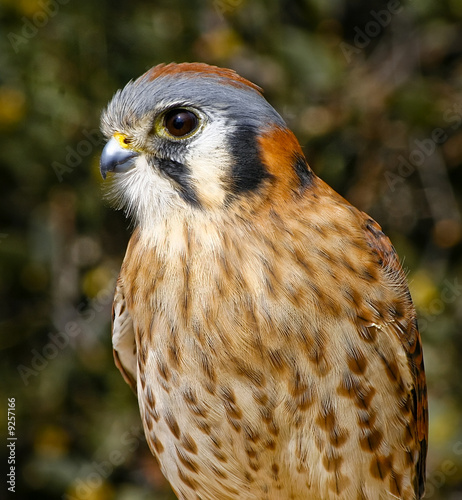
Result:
{"points": [[269, 332]]}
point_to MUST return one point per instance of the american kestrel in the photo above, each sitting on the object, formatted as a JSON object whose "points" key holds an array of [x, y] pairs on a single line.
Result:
{"points": [[263, 321]]}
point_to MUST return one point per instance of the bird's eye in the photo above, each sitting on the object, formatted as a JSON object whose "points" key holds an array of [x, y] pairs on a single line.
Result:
{"points": [[180, 122]]}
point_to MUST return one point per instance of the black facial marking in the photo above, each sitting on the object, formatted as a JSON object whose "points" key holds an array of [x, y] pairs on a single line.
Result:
{"points": [[305, 175], [180, 174], [248, 170]]}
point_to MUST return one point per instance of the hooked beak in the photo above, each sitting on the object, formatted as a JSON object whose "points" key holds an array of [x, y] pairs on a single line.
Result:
{"points": [[115, 158]]}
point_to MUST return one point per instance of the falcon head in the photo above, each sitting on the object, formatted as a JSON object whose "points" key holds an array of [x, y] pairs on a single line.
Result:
{"points": [[196, 137]]}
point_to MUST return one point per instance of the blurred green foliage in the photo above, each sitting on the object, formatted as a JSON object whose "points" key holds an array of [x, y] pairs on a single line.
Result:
{"points": [[373, 91]]}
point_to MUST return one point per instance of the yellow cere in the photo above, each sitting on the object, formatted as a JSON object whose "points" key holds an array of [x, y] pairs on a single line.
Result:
{"points": [[121, 139]]}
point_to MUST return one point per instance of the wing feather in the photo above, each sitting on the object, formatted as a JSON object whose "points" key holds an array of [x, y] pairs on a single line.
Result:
{"points": [[406, 331], [123, 338]]}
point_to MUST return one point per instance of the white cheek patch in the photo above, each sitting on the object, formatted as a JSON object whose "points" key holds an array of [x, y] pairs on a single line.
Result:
{"points": [[209, 163], [143, 193]]}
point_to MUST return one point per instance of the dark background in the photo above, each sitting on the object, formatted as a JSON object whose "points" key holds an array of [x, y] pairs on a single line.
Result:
{"points": [[371, 89]]}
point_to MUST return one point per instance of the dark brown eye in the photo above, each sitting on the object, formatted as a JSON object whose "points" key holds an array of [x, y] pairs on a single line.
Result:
{"points": [[180, 122]]}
